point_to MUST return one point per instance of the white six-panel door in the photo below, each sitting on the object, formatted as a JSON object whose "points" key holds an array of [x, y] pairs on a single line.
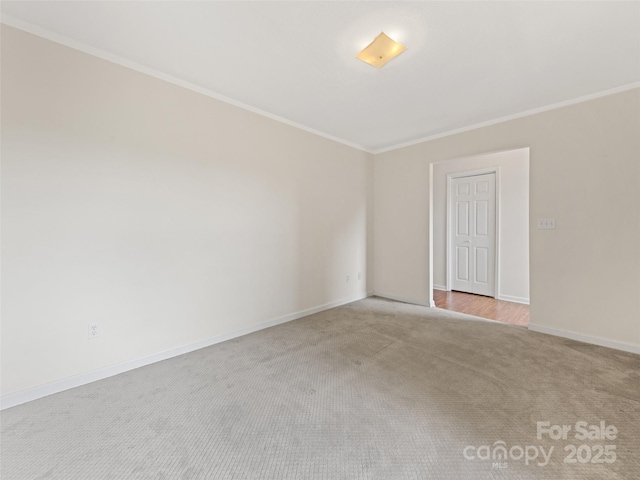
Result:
{"points": [[472, 234]]}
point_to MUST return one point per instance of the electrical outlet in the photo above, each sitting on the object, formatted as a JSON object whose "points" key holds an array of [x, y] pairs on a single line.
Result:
{"points": [[94, 330], [348, 278]]}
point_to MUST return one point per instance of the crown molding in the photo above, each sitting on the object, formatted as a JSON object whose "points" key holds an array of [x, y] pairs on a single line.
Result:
{"points": [[123, 62], [526, 113], [96, 52]]}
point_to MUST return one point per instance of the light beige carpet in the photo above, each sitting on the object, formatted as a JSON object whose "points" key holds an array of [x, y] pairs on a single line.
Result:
{"points": [[371, 390]]}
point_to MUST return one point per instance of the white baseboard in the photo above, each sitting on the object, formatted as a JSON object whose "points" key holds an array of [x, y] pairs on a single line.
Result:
{"points": [[440, 287], [603, 342], [509, 298], [398, 298], [17, 398]]}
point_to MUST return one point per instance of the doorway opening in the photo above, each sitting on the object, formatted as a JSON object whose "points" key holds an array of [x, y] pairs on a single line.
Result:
{"points": [[479, 242]]}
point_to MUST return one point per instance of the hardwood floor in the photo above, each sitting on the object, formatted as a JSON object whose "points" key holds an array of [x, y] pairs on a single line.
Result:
{"points": [[485, 307]]}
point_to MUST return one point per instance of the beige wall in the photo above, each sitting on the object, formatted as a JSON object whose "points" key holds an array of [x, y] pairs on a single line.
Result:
{"points": [[164, 215], [584, 172], [513, 199]]}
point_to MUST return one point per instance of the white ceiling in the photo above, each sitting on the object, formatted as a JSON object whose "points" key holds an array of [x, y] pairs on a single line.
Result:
{"points": [[467, 62]]}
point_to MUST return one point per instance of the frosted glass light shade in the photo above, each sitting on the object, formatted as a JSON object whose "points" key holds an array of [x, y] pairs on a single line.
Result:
{"points": [[381, 50]]}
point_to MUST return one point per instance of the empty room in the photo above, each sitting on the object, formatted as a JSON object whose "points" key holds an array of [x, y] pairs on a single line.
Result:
{"points": [[320, 240]]}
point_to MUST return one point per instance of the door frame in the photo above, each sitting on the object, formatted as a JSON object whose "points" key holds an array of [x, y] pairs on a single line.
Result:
{"points": [[449, 223]]}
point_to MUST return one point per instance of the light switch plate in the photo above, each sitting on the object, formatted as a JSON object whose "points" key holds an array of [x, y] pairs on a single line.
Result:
{"points": [[546, 224]]}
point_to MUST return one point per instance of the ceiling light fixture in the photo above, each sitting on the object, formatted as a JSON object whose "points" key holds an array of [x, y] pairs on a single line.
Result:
{"points": [[380, 51]]}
